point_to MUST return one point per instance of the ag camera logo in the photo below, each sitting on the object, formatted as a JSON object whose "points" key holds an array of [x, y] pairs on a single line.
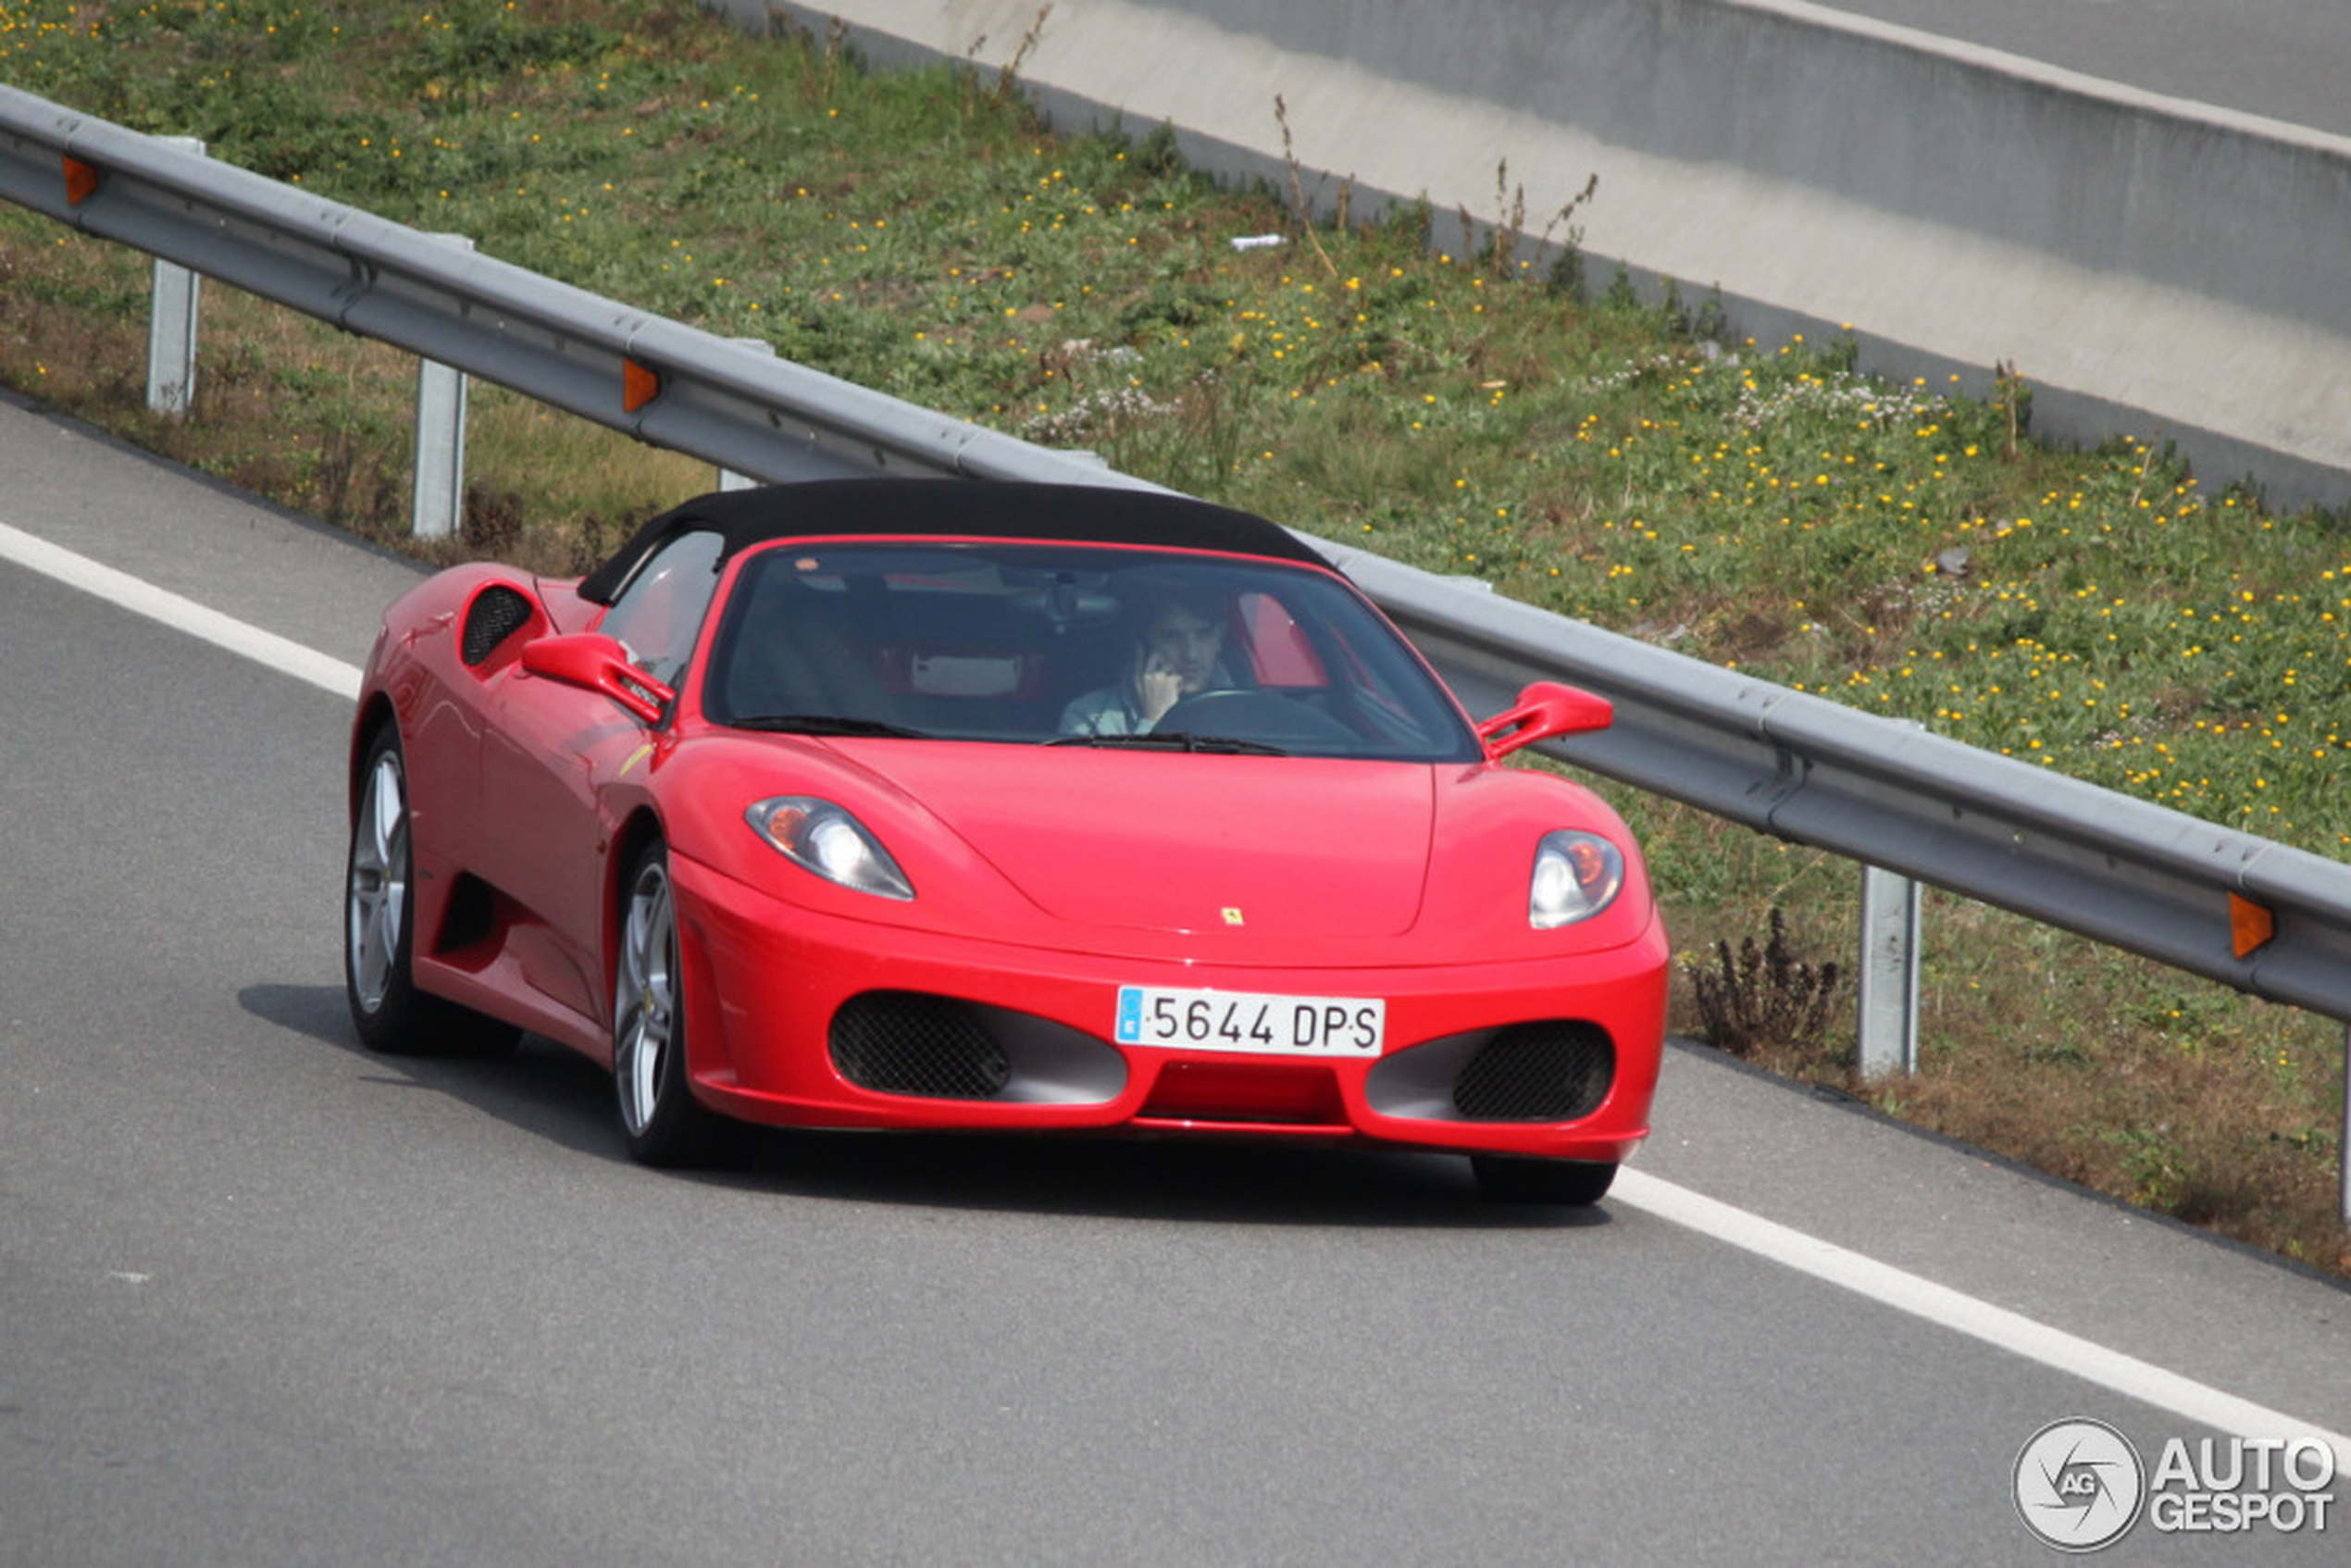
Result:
{"points": [[2079, 1484]]}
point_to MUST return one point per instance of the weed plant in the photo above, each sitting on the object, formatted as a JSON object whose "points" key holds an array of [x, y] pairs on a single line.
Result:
{"points": [[1763, 998], [1903, 548]]}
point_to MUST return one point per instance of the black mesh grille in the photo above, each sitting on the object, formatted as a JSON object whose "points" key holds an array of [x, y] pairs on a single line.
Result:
{"points": [[1548, 1072], [901, 1042], [496, 614]]}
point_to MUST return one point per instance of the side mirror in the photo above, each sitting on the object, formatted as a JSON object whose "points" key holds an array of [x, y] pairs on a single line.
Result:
{"points": [[596, 663], [1544, 712]]}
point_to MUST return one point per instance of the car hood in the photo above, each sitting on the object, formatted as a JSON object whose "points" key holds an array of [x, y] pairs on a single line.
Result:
{"points": [[1170, 841]]}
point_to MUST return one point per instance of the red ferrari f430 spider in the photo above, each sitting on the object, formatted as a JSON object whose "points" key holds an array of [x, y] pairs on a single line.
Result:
{"points": [[928, 804]]}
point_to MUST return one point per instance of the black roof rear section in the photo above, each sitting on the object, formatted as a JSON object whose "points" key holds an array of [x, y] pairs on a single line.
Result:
{"points": [[820, 508]]}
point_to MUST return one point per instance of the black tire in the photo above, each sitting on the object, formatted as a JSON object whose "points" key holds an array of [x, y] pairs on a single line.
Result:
{"points": [[380, 928], [660, 1118], [1507, 1178]]}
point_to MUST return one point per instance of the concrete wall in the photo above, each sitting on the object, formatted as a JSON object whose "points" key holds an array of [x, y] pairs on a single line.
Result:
{"points": [[2152, 266]]}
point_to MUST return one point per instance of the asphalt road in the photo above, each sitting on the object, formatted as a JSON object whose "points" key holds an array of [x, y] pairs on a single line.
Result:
{"points": [[2281, 60], [267, 1299]]}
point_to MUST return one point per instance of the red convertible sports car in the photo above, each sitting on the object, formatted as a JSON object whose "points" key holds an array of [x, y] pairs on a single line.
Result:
{"points": [[931, 804]]}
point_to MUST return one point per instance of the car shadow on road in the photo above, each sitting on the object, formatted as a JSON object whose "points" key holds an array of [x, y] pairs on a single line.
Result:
{"points": [[540, 1086], [557, 1094]]}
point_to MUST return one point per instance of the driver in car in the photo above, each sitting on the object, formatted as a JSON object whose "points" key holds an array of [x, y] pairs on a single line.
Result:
{"points": [[1176, 649]]}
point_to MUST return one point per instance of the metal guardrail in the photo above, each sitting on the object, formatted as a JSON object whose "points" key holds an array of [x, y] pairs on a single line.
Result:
{"points": [[668, 384], [2071, 854], [2140, 877]]}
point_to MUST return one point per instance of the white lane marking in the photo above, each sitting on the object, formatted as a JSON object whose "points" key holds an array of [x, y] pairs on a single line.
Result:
{"points": [[1825, 1261], [1962, 1314], [185, 615]]}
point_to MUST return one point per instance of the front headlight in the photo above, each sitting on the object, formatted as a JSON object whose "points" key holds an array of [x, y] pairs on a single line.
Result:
{"points": [[1576, 876], [821, 837]]}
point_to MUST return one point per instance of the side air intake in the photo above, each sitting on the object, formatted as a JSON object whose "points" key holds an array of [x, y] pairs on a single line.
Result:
{"points": [[496, 614]]}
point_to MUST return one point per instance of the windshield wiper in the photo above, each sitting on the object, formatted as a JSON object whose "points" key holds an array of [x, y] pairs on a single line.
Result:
{"points": [[1174, 740], [826, 724]]}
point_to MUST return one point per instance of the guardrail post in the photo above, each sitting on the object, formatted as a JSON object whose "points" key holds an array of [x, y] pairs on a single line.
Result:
{"points": [[727, 478], [172, 324], [2343, 1150], [1889, 983], [437, 505]]}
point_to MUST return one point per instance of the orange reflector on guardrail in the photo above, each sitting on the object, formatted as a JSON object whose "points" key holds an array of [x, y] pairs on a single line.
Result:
{"points": [[639, 386], [2250, 926], [81, 180]]}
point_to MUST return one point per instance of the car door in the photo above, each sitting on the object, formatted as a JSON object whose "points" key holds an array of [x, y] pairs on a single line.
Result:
{"points": [[549, 756]]}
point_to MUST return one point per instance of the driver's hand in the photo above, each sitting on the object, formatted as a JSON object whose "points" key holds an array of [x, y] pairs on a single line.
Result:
{"points": [[1156, 688]]}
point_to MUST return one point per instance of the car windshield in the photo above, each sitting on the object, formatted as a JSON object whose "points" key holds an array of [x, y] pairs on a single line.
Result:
{"points": [[1071, 645]]}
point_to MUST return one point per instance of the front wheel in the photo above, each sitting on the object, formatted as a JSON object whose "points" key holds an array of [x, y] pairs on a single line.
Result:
{"points": [[1507, 1178], [659, 1117]]}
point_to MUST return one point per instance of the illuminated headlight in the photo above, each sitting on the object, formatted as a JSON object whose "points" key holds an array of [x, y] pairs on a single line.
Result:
{"points": [[1576, 876], [821, 837]]}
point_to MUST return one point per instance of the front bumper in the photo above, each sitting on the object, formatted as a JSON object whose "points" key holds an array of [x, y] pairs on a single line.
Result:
{"points": [[796, 1017]]}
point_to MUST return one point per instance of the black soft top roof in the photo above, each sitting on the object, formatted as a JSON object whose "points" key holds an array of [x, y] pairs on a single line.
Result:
{"points": [[820, 508]]}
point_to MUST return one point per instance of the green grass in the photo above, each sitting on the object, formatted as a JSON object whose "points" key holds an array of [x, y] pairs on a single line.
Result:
{"points": [[1900, 548]]}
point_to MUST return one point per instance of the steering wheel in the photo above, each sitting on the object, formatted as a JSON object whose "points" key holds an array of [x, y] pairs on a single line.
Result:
{"points": [[1244, 714]]}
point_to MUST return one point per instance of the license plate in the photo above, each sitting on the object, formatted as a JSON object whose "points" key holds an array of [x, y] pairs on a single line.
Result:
{"points": [[1280, 1025]]}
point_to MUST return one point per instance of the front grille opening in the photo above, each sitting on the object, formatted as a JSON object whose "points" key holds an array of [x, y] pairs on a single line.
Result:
{"points": [[904, 1042], [1553, 1071]]}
